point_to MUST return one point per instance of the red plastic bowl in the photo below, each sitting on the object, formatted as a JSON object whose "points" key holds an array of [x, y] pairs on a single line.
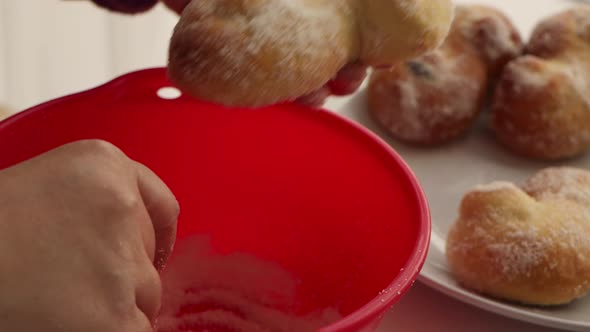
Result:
{"points": [[323, 197]]}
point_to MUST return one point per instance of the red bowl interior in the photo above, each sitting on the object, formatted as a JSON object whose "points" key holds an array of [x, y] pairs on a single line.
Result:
{"points": [[323, 197]]}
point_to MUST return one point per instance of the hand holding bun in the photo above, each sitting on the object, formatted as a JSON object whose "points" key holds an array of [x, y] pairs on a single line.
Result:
{"points": [[139, 6], [259, 52], [347, 81], [542, 104], [528, 244]]}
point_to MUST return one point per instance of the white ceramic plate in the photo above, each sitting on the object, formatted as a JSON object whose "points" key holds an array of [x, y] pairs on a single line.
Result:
{"points": [[446, 173]]}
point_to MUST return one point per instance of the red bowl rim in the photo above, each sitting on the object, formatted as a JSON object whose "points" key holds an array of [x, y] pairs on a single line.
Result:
{"points": [[379, 305], [411, 270]]}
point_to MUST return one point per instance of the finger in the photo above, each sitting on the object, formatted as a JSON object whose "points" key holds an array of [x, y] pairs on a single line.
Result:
{"points": [[315, 99], [148, 292], [148, 234], [163, 210], [348, 80], [139, 323], [176, 5], [127, 6]]}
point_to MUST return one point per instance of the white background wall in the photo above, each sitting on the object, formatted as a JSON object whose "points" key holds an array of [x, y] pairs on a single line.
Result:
{"points": [[49, 48]]}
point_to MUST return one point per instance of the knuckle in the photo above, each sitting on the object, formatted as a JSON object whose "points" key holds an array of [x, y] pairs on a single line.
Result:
{"points": [[106, 174], [122, 201], [100, 148], [104, 319], [116, 201], [151, 277], [175, 210], [155, 281], [121, 313], [134, 321], [141, 324], [91, 155], [153, 289]]}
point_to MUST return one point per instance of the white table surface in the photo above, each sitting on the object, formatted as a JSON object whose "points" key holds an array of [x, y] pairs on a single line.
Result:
{"points": [[424, 309]]}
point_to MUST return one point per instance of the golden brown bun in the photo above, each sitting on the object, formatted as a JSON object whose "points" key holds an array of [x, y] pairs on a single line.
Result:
{"points": [[528, 244], [541, 107], [258, 52], [437, 97]]}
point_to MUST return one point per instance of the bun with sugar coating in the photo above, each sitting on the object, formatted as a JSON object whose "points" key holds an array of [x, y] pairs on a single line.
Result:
{"points": [[437, 97], [253, 53], [528, 244], [541, 107]]}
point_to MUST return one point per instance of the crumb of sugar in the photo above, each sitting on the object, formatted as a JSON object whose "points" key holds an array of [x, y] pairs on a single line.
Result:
{"points": [[234, 291]]}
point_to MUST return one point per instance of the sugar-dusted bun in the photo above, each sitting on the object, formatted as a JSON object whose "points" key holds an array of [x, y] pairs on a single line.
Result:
{"points": [[258, 52], [436, 97], [541, 107], [429, 101], [528, 244]]}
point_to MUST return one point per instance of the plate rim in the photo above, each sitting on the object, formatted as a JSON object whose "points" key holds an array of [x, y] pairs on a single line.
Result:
{"points": [[340, 107], [491, 305]]}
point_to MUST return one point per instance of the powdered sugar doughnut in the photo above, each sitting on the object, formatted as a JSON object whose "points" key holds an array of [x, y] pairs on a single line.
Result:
{"points": [[428, 101], [541, 106], [528, 244], [259, 52], [436, 97]]}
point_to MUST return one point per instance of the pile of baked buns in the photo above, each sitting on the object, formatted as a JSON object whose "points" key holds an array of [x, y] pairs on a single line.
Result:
{"points": [[538, 93], [528, 243]]}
